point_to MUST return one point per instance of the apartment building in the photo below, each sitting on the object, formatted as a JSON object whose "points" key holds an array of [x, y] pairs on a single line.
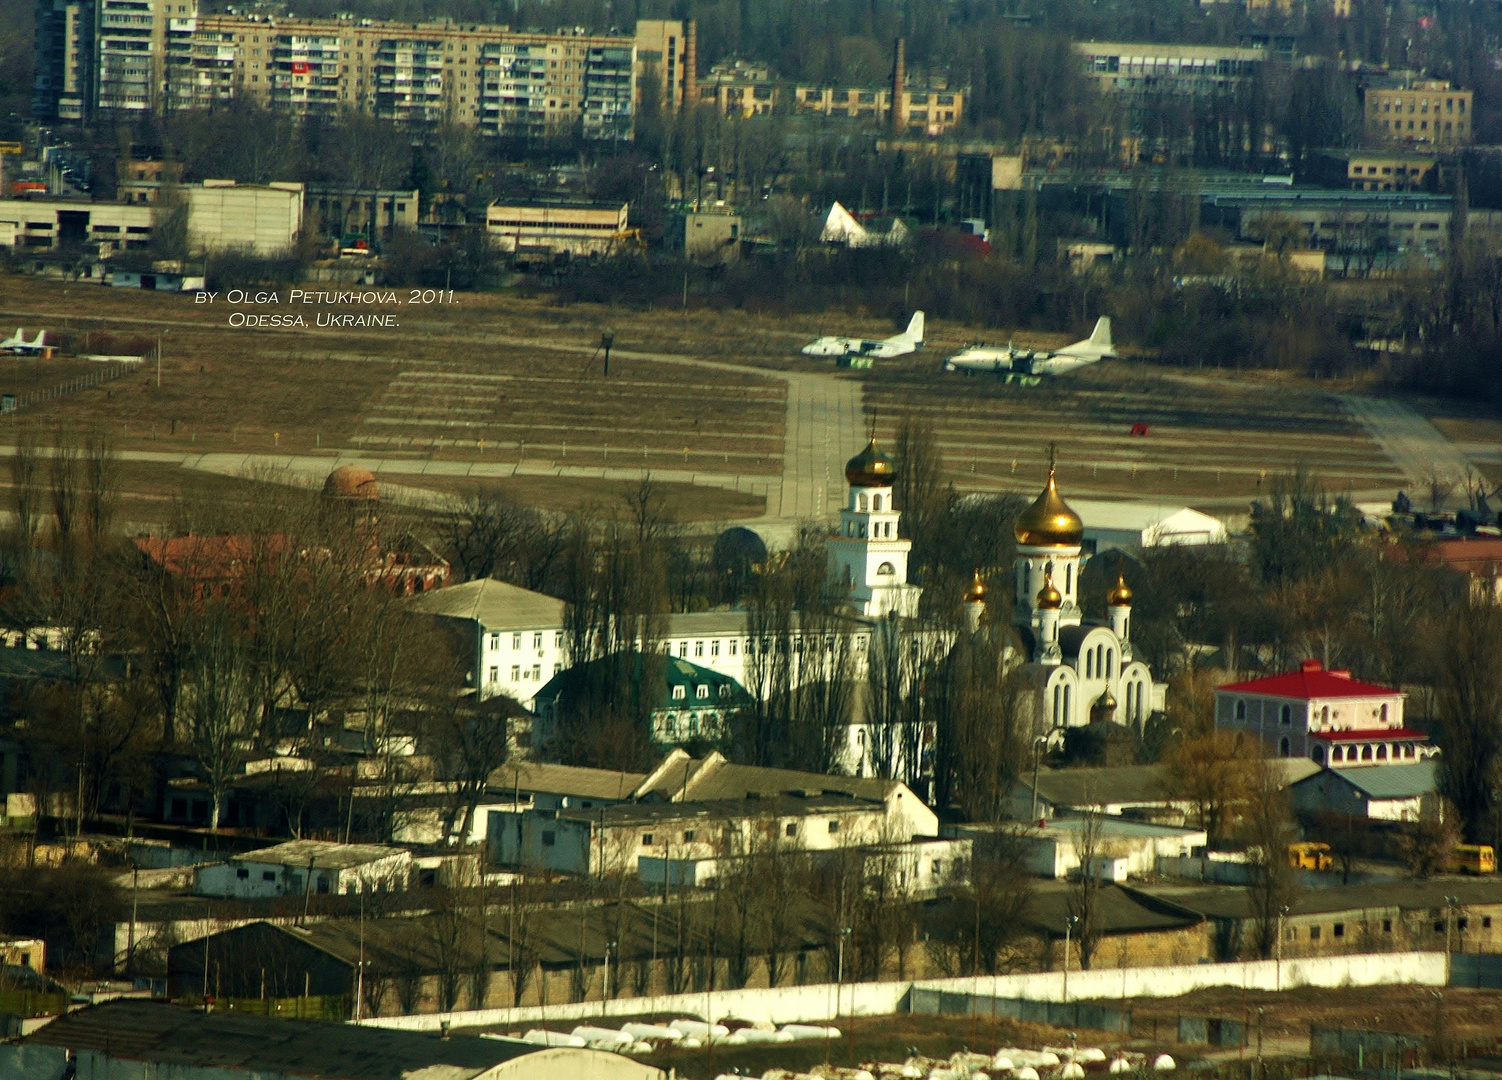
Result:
{"points": [[1422, 111], [161, 55], [742, 89]]}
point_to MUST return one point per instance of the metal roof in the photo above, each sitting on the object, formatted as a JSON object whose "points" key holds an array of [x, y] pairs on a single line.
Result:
{"points": [[1385, 781], [532, 776], [495, 605], [174, 1036], [320, 853]]}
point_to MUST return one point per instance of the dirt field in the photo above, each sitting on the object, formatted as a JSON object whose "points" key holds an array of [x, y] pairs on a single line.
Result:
{"points": [[472, 381]]}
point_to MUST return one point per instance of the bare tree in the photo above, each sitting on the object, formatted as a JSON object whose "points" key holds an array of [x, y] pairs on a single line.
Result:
{"points": [[1084, 891], [220, 702], [1269, 830]]}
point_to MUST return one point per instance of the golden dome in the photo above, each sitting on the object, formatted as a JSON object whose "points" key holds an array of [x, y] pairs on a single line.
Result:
{"points": [[1049, 598], [872, 467], [1049, 522], [1106, 702], [976, 593], [351, 482], [1120, 594]]}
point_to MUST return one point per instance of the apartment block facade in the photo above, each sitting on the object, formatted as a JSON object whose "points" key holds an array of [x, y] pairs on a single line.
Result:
{"points": [[1424, 112], [138, 55]]}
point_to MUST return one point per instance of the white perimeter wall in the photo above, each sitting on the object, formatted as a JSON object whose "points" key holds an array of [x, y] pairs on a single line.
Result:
{"points": [[794, 1004]]}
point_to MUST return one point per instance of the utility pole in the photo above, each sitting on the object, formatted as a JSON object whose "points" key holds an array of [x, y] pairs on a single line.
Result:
{"points": [[1068, 933], [159, 360], [1278, 982]]}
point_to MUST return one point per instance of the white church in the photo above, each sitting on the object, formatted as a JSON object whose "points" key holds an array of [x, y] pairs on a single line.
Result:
{"points": [[1083, 671]]}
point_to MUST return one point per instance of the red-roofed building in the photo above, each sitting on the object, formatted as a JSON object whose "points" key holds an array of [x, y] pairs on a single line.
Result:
{"points": [[1326, 716], [1478, 557]]}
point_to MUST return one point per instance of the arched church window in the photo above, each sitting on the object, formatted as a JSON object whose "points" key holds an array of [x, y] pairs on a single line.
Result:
{"points": [[876, 503], [1324, 715], [1241, 710], [1110, 662], [1285, 717], [1089, 664], [1069, 579], [1384, 714], [1283, 746], [1366, 753], [861, 504], [886, 569]]}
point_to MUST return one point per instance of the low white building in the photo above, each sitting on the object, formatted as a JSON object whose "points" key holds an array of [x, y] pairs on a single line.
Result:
{"points": [[300, 866], [1134, 525], [1117, 849], [553, 229], [264, 219]]}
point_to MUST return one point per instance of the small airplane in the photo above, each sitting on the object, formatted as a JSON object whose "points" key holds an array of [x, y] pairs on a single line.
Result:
{"points": [[1011, 361], [901, 344], [21, 347]]}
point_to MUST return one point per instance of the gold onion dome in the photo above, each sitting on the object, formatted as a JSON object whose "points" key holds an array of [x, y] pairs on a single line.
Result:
{"points": [[1106, 702], [1120, 594], [872, 467], [976, 593], [1049, 522], [1049, 598]]}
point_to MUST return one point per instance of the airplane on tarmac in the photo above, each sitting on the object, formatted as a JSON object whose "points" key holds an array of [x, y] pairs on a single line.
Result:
{"points": [[901, 344], [21, 347], [1011, 361]]}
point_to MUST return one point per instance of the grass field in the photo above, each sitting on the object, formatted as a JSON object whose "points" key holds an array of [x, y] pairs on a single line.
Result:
{"points": [[500, 379]]}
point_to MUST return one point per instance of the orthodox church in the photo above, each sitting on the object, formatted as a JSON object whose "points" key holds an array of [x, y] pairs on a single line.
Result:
{"points": [[1083, 671]]}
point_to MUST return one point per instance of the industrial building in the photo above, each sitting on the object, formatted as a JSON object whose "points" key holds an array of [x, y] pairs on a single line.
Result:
{"points": [[553, 229], [145, 1038]]}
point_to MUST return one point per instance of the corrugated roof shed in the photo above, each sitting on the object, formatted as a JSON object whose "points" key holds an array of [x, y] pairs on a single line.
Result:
{"points": [[172, 1035]]}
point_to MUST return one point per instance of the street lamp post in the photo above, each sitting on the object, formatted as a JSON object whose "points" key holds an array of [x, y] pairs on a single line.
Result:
{"points": [[605, 986], [1282, 912], [1069, 924], [839, 971]]}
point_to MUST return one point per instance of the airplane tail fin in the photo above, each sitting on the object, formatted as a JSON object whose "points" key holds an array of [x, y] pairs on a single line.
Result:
{"points": [[914, 331], [1101, 335]]}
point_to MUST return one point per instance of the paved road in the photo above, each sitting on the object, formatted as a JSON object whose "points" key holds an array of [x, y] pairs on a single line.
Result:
{"points": [[1414, 444]]}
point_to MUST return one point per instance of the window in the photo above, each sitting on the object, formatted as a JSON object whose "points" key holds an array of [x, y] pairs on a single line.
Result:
{"points": [[537, 672], [1241, 710], [714, 648], [680, 693], [792, 830], [724, 690], [886, 569], [495, 674], [702, 691], [323, 885], [1486, 922], [268, 875], [516, 673], [495, 641], [688, 836], [516, 641], [646, 839], [698, 648], [549, 839], [1285, 715], [1283, 746], [834, 825], [733, 644], [1387, 926], [1339, 930], [537, 640], [1384, 714], [242, 873], [1314, 933]]}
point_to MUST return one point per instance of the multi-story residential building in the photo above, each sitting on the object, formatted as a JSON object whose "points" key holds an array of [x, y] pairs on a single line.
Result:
{"points": [[667, 53], [1375, 170], [154, 54], [63, 84], [1429, 111]]}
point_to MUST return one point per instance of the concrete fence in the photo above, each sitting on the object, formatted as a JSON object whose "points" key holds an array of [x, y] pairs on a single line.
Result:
{"points": [[825, 1001]]}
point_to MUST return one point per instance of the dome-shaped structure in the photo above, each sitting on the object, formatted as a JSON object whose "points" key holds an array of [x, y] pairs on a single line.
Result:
{"points": [[1049, 598], [351, 482], [976, 593], [872, 467], [1049, 522], [738, 549], [1120, 594]]}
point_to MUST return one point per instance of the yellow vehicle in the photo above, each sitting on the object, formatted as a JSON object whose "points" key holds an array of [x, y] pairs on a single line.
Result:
{"points": [[1310, 855], [1475, 859]]}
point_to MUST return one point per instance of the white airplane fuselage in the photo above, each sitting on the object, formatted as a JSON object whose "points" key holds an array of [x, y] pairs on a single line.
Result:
{"points": [[1010, 360]]}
